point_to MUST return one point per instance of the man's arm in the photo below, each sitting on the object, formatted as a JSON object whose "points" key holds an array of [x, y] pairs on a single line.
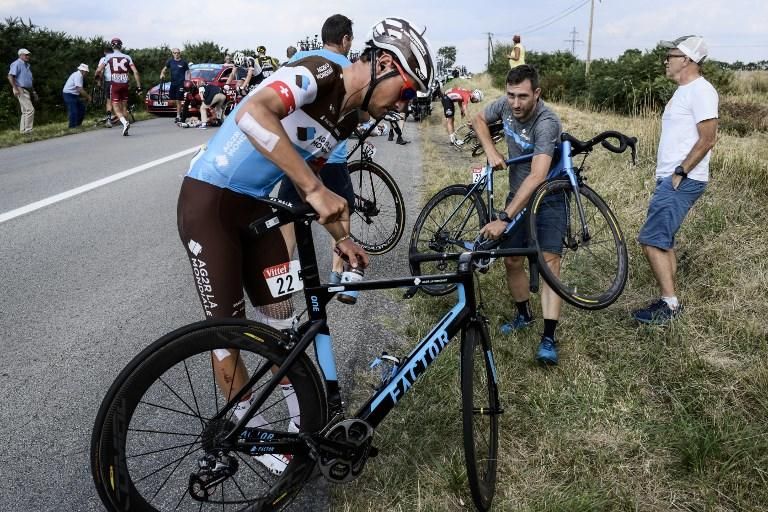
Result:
{"points": [[136, 76], [162, 72], [539, 168], [480, 125], [99, 71], [707, 137], [12, 81]]}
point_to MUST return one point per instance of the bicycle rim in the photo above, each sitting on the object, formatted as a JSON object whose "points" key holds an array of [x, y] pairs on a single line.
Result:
{"points": [[480, 413], [155, 423], [378, 222], [593, 264], [450, 222]]}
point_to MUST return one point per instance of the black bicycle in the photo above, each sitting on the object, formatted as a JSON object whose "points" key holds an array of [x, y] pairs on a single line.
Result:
{"points": [[378, 220], [466, 134], [593, 254], [166, 437]]}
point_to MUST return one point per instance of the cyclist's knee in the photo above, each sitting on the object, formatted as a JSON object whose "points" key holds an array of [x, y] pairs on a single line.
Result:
{"points": [[514, 264]]}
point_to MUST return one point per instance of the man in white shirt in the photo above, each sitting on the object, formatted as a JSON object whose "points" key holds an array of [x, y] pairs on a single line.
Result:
{"points": [[688, 134], [73, 90]]}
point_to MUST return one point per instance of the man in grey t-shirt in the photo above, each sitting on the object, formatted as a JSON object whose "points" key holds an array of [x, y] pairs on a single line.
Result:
{"points": [[530, 127]]}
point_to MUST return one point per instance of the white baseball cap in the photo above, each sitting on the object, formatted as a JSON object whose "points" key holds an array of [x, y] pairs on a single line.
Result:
{"points": [[83, 67], [24, 51], [693, 47]]}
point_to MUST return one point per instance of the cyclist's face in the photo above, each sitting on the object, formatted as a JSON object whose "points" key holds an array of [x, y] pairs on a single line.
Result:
{"points": [[522, 99], [391, 93]]}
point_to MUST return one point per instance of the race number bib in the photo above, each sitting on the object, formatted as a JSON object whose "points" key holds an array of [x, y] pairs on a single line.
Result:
{"points": [[284, 279], [477, 173]]}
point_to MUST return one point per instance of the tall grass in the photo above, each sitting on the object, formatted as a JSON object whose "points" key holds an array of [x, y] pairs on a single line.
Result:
{"points": [[634, 418]]}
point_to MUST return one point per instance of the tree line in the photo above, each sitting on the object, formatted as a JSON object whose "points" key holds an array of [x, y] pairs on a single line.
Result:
{"points": [[55, 55]]}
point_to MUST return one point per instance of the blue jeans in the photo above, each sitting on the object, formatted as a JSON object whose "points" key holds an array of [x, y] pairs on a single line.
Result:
{"points": [[667, 210], [75, 109]]}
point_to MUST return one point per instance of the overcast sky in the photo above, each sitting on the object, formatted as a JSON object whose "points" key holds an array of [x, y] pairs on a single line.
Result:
{"points": [[734, 29]]}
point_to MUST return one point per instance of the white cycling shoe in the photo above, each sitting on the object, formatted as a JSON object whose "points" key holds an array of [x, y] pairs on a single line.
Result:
{"points": [[277, 462]]}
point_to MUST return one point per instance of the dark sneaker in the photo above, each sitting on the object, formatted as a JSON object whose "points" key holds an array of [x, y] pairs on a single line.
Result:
{"points": [[517, 324], [657, 313], [126, 127], [177, 120], [402, 142], [547, 351], [391, 135]]}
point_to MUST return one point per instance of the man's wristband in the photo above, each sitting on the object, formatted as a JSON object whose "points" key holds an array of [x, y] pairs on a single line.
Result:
{"points": [[679, 171], [345, 237]]}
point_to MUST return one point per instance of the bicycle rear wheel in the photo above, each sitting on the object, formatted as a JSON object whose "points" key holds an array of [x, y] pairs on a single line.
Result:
{"points": [[480, 413], [450, 222], [156, 423], [593, 262], [378, 222]]}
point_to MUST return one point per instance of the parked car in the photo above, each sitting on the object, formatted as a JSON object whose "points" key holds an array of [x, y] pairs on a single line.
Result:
{"points": [[157, 100]]}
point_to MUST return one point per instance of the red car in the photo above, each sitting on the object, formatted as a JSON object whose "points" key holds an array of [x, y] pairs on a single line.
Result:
{"points": [[157, 101]]}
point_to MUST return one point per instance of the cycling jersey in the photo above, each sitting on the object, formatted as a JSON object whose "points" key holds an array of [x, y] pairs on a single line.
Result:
{"points": [[119, 65], [267, 66], [314, 127], [459, 94]]}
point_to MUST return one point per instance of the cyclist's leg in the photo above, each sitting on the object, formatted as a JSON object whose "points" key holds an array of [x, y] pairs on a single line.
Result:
{"points": [[448, 110]]}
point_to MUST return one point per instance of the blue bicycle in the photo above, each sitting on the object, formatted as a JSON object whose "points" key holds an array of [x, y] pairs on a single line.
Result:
{"points": [[593, 254]]}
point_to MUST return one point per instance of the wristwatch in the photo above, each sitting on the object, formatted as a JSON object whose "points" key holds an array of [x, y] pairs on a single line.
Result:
{"points": [[679, 171], [502, 216]]}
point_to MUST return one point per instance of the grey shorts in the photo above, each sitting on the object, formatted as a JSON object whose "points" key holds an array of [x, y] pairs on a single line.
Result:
{"points": [[667, 210], [550, 227]]}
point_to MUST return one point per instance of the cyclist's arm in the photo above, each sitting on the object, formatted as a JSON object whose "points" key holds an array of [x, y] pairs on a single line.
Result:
{"points": [[269, 138], [99, 70], [162, 72], [136, 76], [480, 125]]}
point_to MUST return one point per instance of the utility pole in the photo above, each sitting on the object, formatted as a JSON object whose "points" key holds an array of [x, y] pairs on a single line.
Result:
{"points": [[490, 50], [573, 40], [589, 44]]}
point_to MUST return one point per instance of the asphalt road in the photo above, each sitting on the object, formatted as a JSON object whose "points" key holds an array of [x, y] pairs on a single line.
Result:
{"points": [[92, 279]]}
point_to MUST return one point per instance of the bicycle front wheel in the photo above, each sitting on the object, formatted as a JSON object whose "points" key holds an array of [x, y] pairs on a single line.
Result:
{"points": [[480, 413], [156, 426], [378, 222], [593, 254], [450, 222]]}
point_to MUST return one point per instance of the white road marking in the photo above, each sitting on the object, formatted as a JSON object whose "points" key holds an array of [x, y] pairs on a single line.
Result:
{"points": [[90, 186]]}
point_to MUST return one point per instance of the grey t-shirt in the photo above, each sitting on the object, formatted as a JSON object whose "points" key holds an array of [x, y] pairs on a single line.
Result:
{"points": [[539, 135]]}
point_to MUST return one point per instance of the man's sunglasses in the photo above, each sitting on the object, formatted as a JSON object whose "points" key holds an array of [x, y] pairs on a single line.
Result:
{"points": [[672, 56], [408, 90]]}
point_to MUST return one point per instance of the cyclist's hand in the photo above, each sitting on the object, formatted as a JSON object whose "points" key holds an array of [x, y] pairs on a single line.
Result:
{"points": [[496, 159], [494, 229], [330, 207], [353, 253]]}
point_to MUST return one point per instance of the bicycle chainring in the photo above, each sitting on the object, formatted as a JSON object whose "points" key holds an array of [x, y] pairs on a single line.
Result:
{"points": [[358, 435]]}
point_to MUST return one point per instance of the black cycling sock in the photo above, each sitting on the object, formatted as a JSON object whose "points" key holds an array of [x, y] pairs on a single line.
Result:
{"points": [[524, 308], [549, 328]]}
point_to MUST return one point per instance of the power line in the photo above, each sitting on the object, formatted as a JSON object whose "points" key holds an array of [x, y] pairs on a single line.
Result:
{"points": [[535, 27]]}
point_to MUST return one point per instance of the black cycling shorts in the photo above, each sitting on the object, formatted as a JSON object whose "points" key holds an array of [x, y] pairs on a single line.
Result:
{"points": [[448, 107], [225, 256], [334, 176]]}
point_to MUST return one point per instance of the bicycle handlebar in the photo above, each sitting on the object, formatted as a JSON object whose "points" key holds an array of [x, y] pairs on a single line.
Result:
{"points": [[624, 141]]}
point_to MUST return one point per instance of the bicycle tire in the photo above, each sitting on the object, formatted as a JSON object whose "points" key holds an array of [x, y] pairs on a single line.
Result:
{"points": [[435, 231], [480, 413], [378, 222], [478, 150], [593, 268], [132, 410]]}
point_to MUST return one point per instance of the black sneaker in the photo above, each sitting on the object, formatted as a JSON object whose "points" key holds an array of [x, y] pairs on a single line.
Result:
{"points": [[402, 142], [177, 120], [657, 313]]}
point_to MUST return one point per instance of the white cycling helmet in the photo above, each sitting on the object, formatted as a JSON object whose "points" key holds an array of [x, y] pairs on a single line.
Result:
{"points": [[238, 59], [407, 43], [477, 96]]}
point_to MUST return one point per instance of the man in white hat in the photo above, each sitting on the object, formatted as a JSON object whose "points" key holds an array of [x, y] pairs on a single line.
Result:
{"points": [[20, 78], [688, 134], [72, 92]]}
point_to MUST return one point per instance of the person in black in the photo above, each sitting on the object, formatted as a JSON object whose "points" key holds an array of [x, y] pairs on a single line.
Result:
{"points": [[179, 72]]}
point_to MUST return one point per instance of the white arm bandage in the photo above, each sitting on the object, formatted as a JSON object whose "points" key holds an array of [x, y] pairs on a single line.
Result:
{"points": [[263, 137]]}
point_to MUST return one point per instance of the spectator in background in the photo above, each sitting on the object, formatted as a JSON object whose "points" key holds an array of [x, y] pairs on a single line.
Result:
{"points": [[72, 92], [228, 60], [688, 134], [290, 52], [106, 84], [20, 78], [179, 72], [517, 55], [211, 96]]}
